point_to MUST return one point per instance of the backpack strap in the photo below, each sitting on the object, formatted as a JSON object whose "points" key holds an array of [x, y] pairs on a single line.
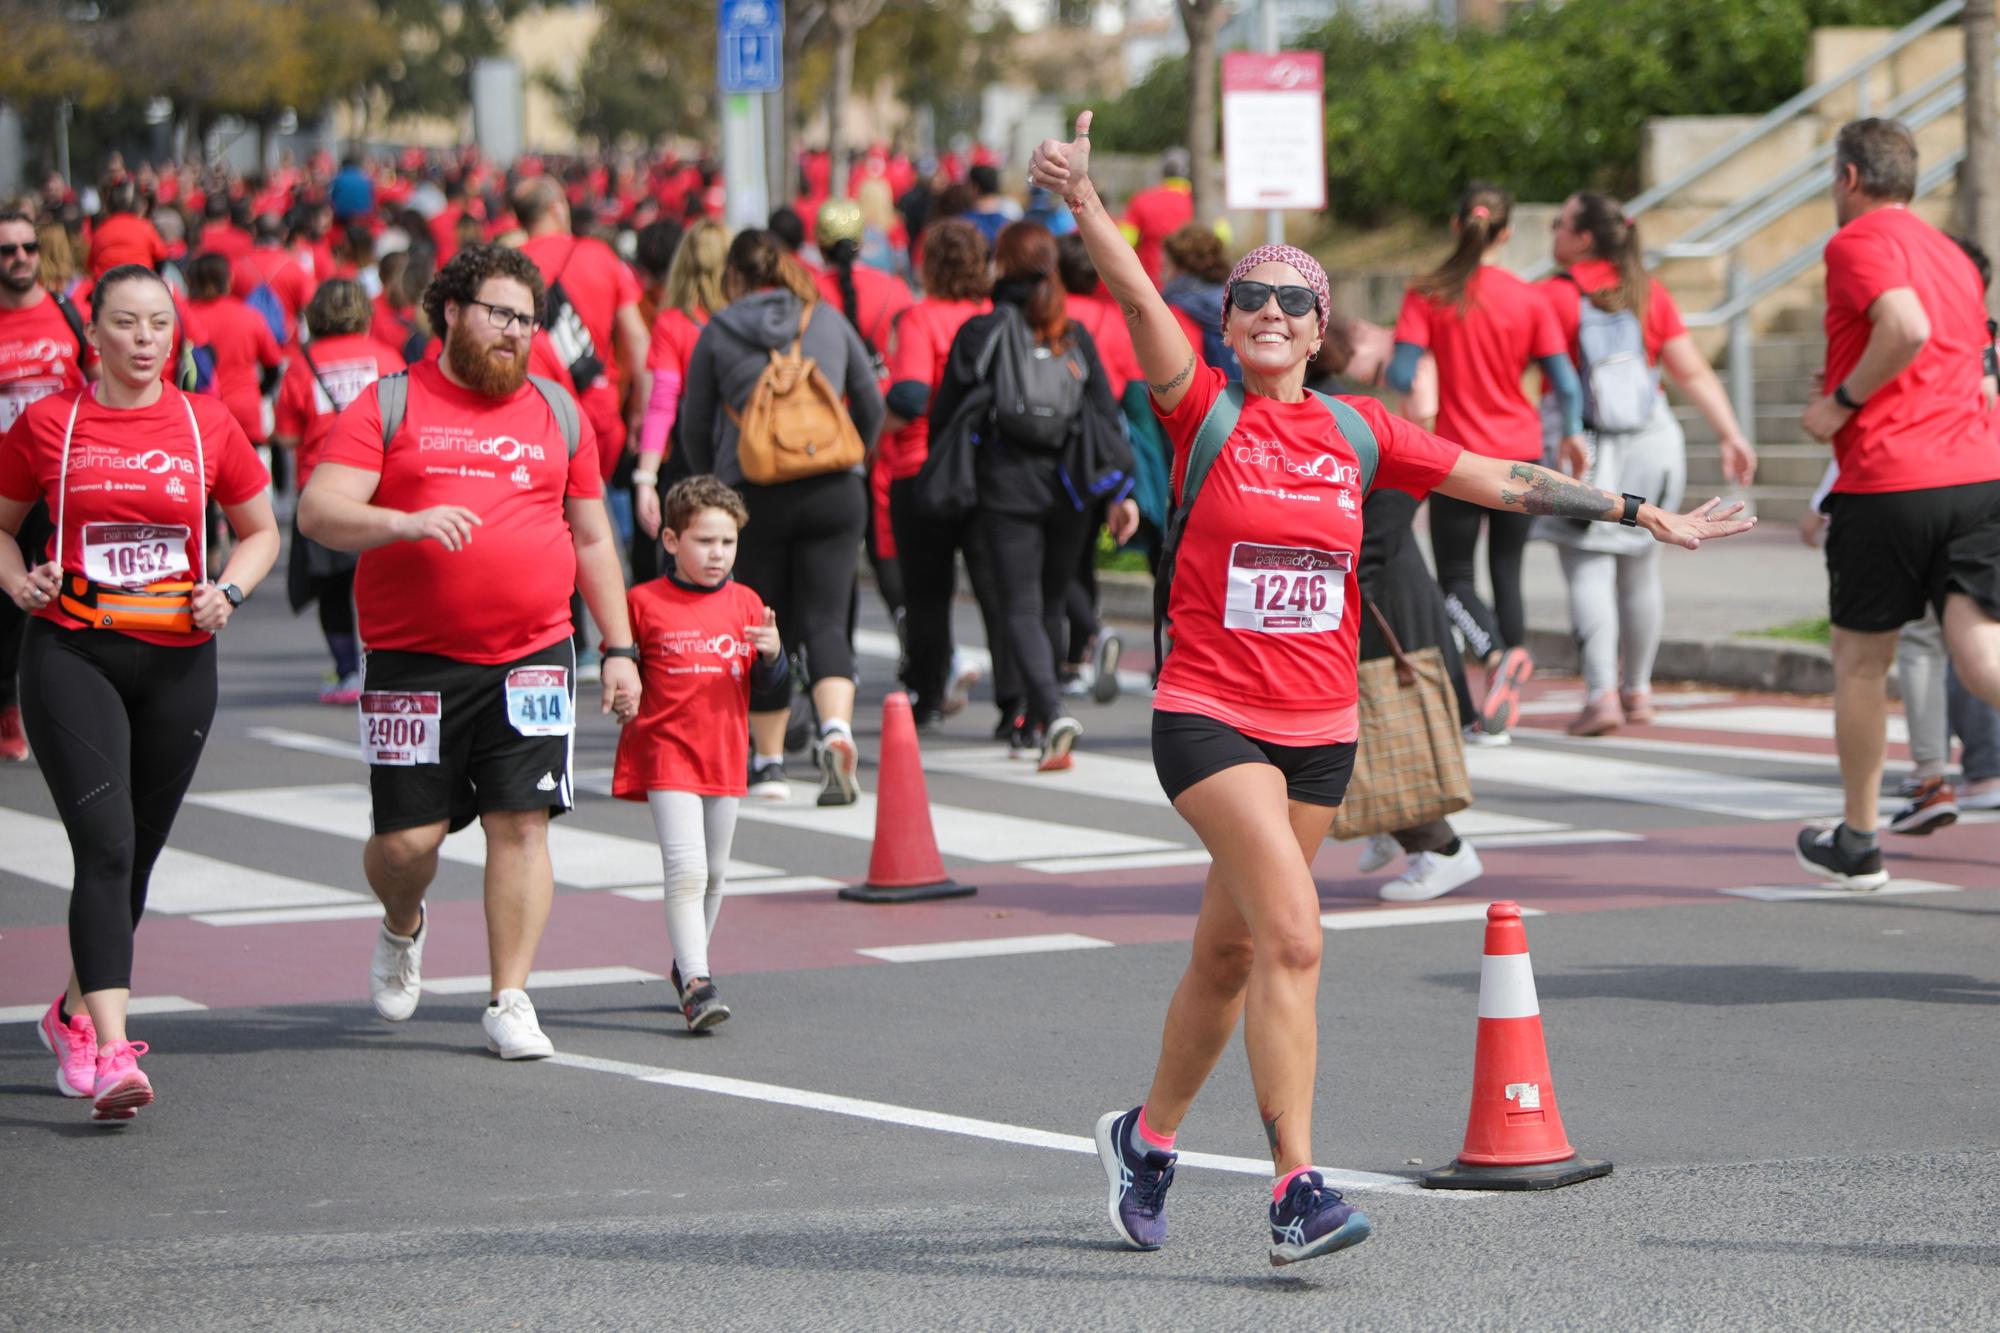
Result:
{"points": [[392, 396], [67, 308], [1207, 447], [563, 408], [1360, 436]]}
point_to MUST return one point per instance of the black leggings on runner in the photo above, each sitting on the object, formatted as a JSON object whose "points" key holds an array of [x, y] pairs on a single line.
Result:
{"points": [[118, 727], [928, 549], [799, 552], [33, 539], [1454, 538], [1035, 557]]}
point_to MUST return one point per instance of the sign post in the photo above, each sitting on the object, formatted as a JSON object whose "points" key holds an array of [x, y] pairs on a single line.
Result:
{"points": [[749, 62], [1274, 132]]}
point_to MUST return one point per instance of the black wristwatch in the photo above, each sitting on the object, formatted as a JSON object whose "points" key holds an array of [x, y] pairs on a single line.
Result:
{"points": [[1630, 518], [235, 595], [1844, 398], [630, 652]]}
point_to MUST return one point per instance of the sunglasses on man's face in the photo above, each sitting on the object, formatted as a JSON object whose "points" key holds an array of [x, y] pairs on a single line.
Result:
{"points": [[26, 248], [1250, 297]]}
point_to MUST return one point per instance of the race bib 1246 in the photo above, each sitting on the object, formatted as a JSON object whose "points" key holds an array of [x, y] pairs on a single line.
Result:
{"points": [[1286, 589]]}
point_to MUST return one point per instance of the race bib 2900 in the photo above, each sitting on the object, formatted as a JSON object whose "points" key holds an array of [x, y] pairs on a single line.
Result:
{"points": [[400, 728], [1286, 589]]}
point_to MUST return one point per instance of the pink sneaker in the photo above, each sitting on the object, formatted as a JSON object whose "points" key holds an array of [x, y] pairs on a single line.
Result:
{"points": [[74, 1045], [122, 1087]]}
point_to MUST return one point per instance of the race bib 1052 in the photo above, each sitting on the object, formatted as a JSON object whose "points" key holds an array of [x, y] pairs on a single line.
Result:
{"points": [[1286, 589], [131, 555]]}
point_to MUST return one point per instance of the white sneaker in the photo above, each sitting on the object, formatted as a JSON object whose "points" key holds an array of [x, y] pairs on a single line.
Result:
{"points": [[396, 975], [1433, 874], [1380, 853], [511, 1030], [1474, 735], [964, 675]]}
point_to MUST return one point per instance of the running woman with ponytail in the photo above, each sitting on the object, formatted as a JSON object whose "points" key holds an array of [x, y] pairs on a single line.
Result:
{"points": [[1255, 718], [118, 682], [1485, 327]]}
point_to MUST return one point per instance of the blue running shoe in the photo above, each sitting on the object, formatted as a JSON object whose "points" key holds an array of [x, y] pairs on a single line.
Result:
{"points": [[1138, 1203], [1312, 1220]]}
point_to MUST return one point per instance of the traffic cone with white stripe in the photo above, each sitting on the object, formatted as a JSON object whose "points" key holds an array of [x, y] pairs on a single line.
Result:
{"points": [[904, 866], [1514, 1137]]}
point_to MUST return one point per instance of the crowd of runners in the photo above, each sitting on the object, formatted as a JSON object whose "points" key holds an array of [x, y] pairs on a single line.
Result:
{"points": [[559, 426]]}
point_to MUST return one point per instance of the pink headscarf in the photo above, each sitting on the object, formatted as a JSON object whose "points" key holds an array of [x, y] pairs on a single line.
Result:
{"points": [[1307, 266]]}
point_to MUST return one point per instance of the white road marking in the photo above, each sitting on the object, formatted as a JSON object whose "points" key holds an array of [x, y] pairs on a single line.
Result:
{"points": [[974, 835], [553, 979], [284, 916], [306, 742], [140, 1004], [1369, 918], [992, 1130], [1084, 865], [1580, 837], [998, 948], [1648, 745], [1649, 784], [883, 646], [1570, 701], [1107, 776], [183, 882], [1771, 720], [749, 888], [1792, 893]]}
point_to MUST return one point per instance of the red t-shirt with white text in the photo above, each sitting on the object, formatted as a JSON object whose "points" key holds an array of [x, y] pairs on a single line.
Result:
{"points": [[507, 593], [38, 357], [308, 405], [129, 468], [695, 659], [1928, 426], [1482, 352], [918, 350], [599, 285], [1265, 608]]}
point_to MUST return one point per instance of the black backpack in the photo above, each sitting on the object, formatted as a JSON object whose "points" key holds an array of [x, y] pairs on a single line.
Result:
{"points": [[1037, 390], [570, 334]]}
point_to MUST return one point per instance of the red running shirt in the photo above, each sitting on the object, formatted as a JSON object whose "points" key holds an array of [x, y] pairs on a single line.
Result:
{"points": [[130, 466], [1265, 608], [1099, 314], [125, 238], [269, 266], [1661, 322], [1928, 426], [348, 363], [242, 343], [917, 352], [1482, 353], [507, 593], [878, 299], [692, 732], [38, 357], [599, 285]]}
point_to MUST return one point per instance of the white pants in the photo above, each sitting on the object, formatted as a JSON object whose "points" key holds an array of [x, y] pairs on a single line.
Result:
{"points": [[695, 833], [1616, 610]]}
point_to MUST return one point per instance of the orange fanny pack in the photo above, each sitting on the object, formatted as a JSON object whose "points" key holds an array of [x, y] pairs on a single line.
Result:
{"points": [[166, 607]]}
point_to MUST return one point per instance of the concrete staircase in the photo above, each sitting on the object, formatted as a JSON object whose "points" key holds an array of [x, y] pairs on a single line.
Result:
{"points": [[1789, 462]]}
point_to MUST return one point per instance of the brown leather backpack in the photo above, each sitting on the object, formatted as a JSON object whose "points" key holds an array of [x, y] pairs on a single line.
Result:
{"points": [[794, 424]]}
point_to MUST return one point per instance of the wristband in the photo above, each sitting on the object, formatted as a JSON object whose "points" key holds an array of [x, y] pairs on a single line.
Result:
{"points": [[645, 479], [1845, 399], [1630, 518], [630, 652]]}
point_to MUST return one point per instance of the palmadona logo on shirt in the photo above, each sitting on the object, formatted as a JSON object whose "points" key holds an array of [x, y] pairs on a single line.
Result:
{"points": [[1271, 456]]}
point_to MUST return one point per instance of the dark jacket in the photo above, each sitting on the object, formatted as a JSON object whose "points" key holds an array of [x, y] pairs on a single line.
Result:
{"points": [[732, 352], [1391, 572]]}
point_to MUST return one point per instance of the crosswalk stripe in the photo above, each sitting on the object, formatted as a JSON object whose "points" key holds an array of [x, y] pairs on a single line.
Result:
{"points": [[583, 859], [883, 646], [1648, 784], [998, 948], [285, 916], [553, 979], [183, 882], [1085, 865], [1370, 917], [1809, 723], [749, 888], [1792, 893], [139, 1004], [1107, 776], [973, 835]]}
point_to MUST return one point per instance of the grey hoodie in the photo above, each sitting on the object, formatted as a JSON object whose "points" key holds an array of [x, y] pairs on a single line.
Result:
{"points": [[732, 352]]}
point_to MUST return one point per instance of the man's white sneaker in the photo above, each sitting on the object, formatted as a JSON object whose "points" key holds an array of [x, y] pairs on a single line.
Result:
{"points": [[1433, 874], [395, 977], [511, 1030], [1381, 851]]}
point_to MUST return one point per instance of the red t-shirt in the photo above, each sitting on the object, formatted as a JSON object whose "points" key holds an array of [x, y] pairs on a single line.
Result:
{"points": [[1156, 213], [1660, 322], [599, 285], [241, 342], [227, 240], [878, 299], [1482, 352], [675, 333], [507, 593], [133, 466], [695, 659], [274, 268], [38, 357], [125, 238], [348, 363], [1928, 426], [1265, 607], [918, 350], [390, 327], [1099, 314]]}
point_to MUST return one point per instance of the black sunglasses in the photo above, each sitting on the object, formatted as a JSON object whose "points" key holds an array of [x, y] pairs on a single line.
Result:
{"points": [[26, 248], [1250, 297]]}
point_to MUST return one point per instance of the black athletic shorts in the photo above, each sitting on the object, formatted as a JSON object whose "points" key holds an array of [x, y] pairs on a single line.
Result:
{"points": [[470, 717], [1891, 554], [1188, 747]]}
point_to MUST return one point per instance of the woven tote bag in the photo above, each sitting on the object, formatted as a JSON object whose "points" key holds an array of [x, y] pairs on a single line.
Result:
{"points": [[1409, 767]]}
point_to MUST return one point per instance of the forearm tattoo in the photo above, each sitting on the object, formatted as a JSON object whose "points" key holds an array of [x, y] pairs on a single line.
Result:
{"points": [[1557, 496], [1177, 380]]}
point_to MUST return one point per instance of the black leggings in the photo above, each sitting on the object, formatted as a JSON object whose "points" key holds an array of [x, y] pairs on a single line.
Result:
{"points": [[117, 727], [1035, 559], [1454, 538], [33, 540], [799, 552], [928, 548]]}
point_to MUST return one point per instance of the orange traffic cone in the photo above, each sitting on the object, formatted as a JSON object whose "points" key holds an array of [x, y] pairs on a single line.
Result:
{"points": [[905, 866], [1514, 1136]]}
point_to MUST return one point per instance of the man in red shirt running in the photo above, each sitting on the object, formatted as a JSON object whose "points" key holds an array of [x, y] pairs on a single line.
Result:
{"points": [[475, 519], [1158, 211], [42, 351], [1915, 514]]}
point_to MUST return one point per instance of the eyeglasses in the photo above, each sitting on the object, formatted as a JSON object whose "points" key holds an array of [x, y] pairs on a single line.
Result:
{"points": [[25, 248], [1250, 297], [503, 319]]}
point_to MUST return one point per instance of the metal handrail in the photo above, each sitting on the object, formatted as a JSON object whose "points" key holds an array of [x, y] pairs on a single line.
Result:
{"points": [[1783, 114]]}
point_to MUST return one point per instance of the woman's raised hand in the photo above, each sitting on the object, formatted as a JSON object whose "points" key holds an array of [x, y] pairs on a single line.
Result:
{"points": [[1063, 168]]}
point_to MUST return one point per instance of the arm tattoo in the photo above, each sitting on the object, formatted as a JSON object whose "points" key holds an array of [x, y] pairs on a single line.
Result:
{"points": [[1553, 494], [1177, 380]]}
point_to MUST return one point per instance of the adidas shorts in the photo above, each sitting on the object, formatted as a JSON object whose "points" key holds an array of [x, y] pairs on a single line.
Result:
{"points": [[483, 760]]}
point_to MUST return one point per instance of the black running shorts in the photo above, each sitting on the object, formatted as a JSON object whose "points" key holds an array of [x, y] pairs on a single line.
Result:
{"points": [[489, 750], [1188, 747], [1891, 554]]}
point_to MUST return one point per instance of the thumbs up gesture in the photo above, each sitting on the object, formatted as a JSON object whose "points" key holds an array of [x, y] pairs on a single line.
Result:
{"points": [[1063, 168], [764, 638]]}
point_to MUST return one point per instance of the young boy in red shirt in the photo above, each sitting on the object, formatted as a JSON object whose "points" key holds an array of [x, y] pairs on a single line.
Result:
{"points": [[704, 643]]}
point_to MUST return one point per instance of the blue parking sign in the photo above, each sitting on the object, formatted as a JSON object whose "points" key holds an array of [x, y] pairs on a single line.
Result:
{"points": [[750, 57]]}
